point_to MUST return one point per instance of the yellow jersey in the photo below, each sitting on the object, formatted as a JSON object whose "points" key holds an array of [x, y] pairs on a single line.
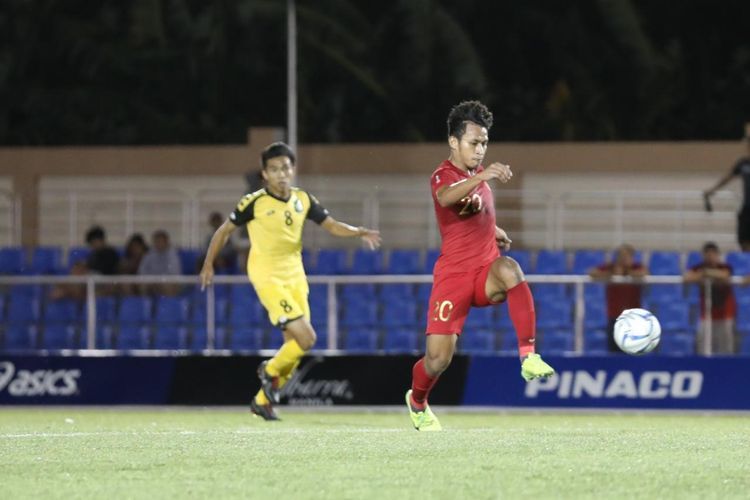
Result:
{"points": [[275, 228]]}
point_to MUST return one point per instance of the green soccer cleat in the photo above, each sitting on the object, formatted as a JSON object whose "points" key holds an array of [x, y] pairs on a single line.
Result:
{"points": [[533, 366], [424, 420]]}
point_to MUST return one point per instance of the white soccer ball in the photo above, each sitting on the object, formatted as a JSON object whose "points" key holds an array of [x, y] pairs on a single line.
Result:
{"points": [[637, 331]]}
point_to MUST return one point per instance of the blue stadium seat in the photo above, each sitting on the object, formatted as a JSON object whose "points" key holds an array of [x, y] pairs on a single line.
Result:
{"points": [[189, 260], [693, 259], [400, 340], [221, 306], [551, 262], [307, 261], [12, 260], [171, 311], [523, 257], [595, 341], [423, 292], [199, 338], [477, 342], [242, 294], [105, 336], [431, 256], [554, 314], [404, 262], [133, 336], [584, 260], [557, 341], [77, 254], [742, 292], [367, 262], [247, 315], [20, 336], [2, 308], [318, 306], [399, 313], [742, 321], [134, 310], [361, 339], [46, 260], [331, 261], [273, 339], [364, 291], [248, 338], [398, 291], [61, 311], [674, 316], [594, 292], [479, 318], [58, 336], [504, 321], [105, 310], [170, 336], [664, 293], [744, 346], [677, 343], [359, 313], [664, 263], [549, 291], [509, 341], [596, 315], [740, 262], [22, 309]]}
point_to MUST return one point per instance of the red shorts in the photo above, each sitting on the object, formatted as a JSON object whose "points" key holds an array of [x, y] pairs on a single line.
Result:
{"points": [[452, 297]]}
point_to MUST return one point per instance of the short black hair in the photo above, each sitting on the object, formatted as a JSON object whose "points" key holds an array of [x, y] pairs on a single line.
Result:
{"points": [[277, 149], [710, 245], [95, 233], [468, 111]]}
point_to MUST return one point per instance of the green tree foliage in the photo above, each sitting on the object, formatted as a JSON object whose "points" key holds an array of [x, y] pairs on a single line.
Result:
{"points": [[203, 71]]}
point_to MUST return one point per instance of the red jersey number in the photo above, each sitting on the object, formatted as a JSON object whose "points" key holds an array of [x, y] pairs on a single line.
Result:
{"points": [[470, 204]]}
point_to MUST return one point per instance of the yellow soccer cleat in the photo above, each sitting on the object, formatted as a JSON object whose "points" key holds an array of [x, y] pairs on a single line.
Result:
{"points": [[533, 366], [424, 420]]}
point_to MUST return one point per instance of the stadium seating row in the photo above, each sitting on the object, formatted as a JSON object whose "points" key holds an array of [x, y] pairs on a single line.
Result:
{"points": [[49, 260], [180, 321], [364, 339]]}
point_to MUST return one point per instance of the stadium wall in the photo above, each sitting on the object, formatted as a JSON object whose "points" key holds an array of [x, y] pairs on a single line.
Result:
{"points": [[653, 382], [27, 166]]}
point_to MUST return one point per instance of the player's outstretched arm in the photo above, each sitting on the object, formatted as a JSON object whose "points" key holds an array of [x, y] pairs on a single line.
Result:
{"points": [[722, 182], [371, 237], [449, 195], [218, 240]]}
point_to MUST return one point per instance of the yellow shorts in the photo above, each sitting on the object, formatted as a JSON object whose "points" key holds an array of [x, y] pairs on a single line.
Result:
{"points": [[286, 302]]}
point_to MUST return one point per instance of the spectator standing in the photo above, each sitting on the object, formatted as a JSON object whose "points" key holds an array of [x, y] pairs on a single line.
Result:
{"points": [[163, 260], [723, 304], [620, 296]]}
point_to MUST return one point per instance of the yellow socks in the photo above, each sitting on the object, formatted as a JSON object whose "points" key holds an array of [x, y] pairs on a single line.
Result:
{"points": [[284, 361]]}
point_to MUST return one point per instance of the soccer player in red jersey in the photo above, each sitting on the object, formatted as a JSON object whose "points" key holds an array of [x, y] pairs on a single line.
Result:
{"points": [[470, 270]]}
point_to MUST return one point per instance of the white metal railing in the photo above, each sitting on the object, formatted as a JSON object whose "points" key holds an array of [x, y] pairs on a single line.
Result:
{"points": [[10, 218], [577, 281], [575, 219]]}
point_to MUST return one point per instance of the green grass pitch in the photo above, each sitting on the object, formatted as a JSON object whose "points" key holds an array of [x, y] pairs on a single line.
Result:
{"points": [[220, 453]]}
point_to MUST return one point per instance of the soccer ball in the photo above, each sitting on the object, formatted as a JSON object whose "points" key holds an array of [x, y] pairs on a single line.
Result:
{"points": [[637, 331]]}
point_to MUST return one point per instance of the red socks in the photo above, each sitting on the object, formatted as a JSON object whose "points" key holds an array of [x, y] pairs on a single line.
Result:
{"points": [[523, 316], [421, 385]]}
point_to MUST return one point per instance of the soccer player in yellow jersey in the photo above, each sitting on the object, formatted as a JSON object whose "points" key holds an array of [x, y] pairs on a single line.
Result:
{"points": [[275, 216]]}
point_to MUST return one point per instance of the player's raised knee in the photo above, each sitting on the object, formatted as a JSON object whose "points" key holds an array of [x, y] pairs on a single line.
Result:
{"points": [[508, 271]]}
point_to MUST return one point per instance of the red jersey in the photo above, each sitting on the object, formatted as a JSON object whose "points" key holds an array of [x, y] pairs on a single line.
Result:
{"points": [[467, 228], [621, 296], [723, 305]]}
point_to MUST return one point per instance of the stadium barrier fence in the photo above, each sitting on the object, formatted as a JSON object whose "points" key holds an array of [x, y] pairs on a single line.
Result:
{"points": [[91, 283]]}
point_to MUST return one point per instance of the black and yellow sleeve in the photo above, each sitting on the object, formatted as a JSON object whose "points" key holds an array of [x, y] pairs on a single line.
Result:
{"points": [[317, 212], [245, 210]]}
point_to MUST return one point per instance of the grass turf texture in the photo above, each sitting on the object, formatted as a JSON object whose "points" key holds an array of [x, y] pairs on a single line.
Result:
{"points": [[125, 453]]}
